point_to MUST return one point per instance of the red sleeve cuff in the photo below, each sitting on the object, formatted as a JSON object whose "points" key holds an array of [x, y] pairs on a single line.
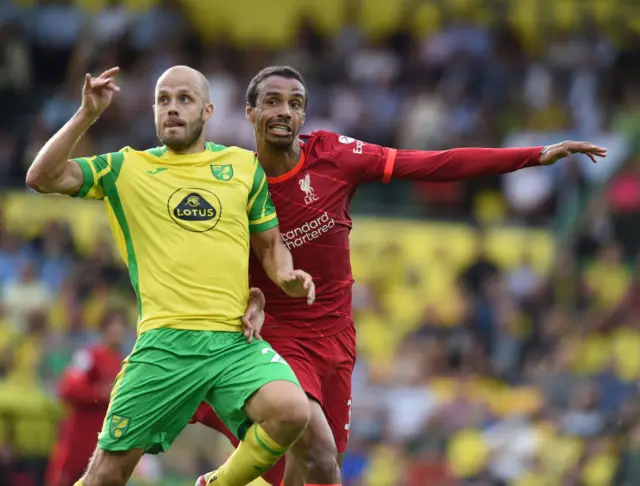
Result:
{"points": [[388, 165]]}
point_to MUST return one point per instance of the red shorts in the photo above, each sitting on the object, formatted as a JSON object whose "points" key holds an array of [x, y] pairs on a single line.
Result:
{"points": [[324, 367]]}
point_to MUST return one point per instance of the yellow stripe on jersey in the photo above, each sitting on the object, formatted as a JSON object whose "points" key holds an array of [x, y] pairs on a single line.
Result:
{"points": [[262, 212], [182, 226]]}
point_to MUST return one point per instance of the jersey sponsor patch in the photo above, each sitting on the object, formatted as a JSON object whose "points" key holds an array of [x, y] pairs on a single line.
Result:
{"points": [[346, 140], [194, 209]]}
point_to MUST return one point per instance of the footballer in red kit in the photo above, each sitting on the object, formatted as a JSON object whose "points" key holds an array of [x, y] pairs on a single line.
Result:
{"points": [[85, 388], [312, 180]]}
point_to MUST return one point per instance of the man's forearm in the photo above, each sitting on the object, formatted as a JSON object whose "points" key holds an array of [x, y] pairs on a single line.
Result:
{"points": [[277, 261], [51, 161]]}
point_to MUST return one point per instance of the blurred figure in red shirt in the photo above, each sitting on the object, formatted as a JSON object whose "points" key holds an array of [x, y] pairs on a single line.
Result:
{"points": [[84, 388]]}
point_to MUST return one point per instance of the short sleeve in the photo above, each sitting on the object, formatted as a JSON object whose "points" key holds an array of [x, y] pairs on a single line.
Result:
{"points": [[99, 171], [359, 161], [262, 212]]}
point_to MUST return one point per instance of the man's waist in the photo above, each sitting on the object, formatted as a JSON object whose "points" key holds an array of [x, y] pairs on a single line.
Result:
{"points": [[305, 325], [194, 323]]}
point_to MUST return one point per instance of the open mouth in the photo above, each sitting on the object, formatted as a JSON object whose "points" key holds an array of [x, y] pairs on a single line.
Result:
{"points": [[280, 129]]}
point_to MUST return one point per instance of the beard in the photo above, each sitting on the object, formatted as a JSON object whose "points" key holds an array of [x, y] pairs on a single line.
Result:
{"points": [[180, 144]]}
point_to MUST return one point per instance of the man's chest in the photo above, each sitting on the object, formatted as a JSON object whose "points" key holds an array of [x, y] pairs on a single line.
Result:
{"points": [[308, 195], [311, 208], [195, 199]]}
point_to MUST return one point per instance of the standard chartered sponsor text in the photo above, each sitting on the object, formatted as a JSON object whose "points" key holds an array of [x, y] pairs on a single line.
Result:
{"points": [[309, 231]]}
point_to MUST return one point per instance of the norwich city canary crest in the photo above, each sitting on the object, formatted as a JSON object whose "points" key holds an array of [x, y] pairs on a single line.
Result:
{"points": [[222, 172], [118, 426]]}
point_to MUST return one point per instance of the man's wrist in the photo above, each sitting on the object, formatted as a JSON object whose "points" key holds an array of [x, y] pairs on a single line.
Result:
{"points": [[85, 117]]}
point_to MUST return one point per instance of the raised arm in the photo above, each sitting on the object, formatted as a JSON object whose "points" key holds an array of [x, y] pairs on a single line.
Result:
{"points": [[277, 262], [366, 162], [52, 171]]}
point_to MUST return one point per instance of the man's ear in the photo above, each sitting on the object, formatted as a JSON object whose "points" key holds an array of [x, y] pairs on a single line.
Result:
{"points": [[251, 113], [208, 111]]}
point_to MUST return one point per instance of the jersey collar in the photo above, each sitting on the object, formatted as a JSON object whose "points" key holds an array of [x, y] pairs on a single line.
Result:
{"points": [[288, 175]]}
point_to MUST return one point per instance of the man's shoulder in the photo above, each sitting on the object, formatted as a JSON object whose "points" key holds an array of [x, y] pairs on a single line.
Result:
{"points": [[232, 155], [326, 143]]}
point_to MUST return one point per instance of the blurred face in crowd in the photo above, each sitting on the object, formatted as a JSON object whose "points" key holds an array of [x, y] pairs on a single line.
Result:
{"points": [[114, 331], [279, 112], [182, 109]]}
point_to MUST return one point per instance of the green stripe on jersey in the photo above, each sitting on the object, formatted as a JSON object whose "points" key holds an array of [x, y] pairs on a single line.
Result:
{"points": [[111, 191]]}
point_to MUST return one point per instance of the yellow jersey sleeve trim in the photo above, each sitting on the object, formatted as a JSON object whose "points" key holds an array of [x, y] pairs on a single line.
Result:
{"points": [[93, 170], [97, 171], [264, 219], [88, 174], [260, 204], [263, 224], [257, 193]]}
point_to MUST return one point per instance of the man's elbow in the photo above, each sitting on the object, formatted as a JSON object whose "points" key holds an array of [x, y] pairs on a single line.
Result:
{"points": [[36, 182], [40, 183]]}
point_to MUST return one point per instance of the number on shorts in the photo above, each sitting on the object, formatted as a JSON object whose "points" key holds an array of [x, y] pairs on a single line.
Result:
{"points": [[347, 426], [276, 357]]}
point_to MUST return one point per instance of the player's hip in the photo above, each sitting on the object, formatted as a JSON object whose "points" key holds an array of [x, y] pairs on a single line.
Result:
{"points": [[291, 325]]}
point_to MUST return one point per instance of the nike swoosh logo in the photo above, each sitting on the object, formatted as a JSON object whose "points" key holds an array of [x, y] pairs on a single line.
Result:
{"points": [[156, 171]]}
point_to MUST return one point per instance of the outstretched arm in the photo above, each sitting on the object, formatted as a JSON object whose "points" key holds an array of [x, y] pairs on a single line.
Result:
{"points": [[466, 163], [365, 162], [52, 171]]}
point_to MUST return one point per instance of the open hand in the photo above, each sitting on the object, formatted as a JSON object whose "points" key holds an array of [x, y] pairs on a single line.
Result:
{"points": [[552, 153], [253, 317], [298, 284], [98, 92]]}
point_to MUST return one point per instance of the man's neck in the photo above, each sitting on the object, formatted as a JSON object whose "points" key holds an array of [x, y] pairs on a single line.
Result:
{"points": [[196, 148], [278, 161]]}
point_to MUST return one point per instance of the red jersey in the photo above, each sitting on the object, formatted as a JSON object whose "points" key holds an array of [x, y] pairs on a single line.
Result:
{"points": [[84, 388], [312, 201]]}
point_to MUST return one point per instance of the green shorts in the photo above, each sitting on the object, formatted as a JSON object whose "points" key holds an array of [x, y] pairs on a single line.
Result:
{"points": [[171, 372]]}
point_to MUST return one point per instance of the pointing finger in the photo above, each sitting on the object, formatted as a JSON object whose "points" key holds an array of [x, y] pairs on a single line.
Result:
{"points": [[110, 72]]}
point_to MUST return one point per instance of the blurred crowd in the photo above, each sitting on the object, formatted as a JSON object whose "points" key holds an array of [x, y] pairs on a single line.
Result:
{"points": [[473, 368]]}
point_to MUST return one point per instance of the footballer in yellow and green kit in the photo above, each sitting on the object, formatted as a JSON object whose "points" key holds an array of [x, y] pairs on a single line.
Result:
{"points": [[182, 225]]}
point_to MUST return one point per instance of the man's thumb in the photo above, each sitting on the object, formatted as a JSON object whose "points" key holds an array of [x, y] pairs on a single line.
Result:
{"points": [[87, 82]]}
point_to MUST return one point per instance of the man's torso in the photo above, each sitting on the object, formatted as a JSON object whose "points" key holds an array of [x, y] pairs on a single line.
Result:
{"points": [[181, 225], [312, 202]]}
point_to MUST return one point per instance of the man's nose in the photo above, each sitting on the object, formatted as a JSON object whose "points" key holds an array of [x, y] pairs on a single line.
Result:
{"points": [[285, 111]]}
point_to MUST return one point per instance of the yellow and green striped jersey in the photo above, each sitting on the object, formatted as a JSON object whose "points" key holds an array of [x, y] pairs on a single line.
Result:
{"points": [[182, 225]]}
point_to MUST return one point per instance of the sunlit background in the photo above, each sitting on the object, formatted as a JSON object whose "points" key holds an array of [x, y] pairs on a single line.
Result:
{"points": [[498, 319]]}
